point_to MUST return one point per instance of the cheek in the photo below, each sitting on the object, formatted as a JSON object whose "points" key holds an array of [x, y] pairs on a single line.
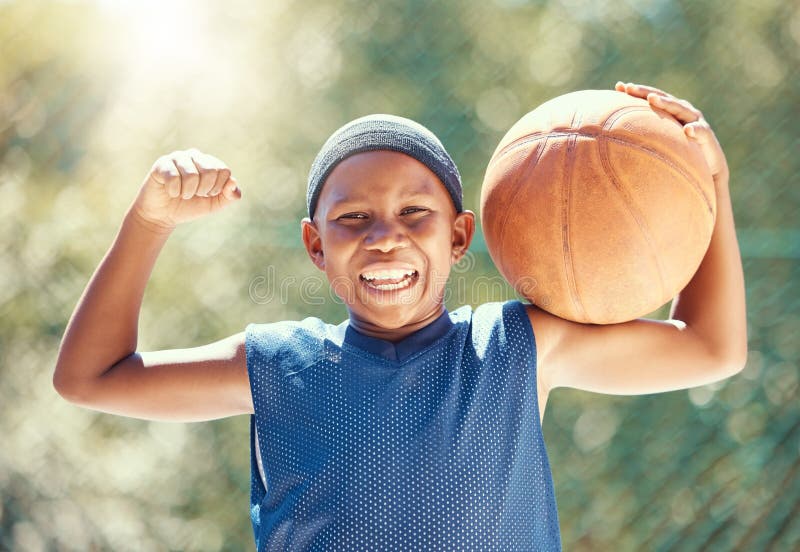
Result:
{"points": [[339, 240], [432, 229], [344, 288], [337, 232], [436, 241]]}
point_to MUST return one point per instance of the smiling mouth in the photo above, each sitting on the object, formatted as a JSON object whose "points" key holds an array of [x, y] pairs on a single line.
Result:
{"points": [[389, 280]]}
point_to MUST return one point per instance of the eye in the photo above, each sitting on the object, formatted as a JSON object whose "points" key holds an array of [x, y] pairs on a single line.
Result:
{"points": [[412, 210], [353, 216]]}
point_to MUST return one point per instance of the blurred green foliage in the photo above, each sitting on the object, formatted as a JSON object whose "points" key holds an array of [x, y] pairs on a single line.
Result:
{"points": [[91, 93]]}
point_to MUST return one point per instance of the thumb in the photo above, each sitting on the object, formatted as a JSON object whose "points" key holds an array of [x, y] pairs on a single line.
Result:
{"points": [[700, 132], [231, 191]]}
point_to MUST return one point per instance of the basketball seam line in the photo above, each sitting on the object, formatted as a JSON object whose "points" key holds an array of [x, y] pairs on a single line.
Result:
{"points": [[615, 115], [569, 268], [600, 136], [503, 227], [609, 169], [634, 213]]}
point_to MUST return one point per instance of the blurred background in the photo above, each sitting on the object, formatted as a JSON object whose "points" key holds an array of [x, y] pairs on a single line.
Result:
{"points": [[92, 92]]}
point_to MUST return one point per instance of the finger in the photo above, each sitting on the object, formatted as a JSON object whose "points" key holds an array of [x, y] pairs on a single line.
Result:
{"points": [[680, 109], [166, 173], [231, 190], [620, 86], [222, 177], [223, 174], [190, 177], [700, 131], [643, 90], [207, 168]]}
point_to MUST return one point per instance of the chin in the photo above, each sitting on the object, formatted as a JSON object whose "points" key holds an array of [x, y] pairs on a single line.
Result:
{"points": [[390, 317]]}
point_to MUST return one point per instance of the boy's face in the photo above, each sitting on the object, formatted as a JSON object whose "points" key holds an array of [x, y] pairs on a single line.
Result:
{"points": [[386, 233]]}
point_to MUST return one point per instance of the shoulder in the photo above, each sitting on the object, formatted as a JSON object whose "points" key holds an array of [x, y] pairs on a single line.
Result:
{"points": [[289, 342], [287, 329], [500, 324], [506, 314], [492, 313]]}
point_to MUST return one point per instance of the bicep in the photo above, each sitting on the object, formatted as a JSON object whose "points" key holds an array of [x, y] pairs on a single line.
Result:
{"points": [[194, 384], [632, 358]]}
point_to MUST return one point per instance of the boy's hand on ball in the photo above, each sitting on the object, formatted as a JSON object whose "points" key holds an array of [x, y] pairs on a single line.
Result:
{"points": [[185, 185], [694, 124]]}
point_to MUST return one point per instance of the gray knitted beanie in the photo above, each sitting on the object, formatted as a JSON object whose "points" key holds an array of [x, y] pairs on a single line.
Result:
{"points": [[383, 132]]}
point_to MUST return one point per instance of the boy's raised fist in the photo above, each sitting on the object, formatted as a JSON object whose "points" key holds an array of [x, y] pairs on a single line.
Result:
{"points": [[185, 185]]}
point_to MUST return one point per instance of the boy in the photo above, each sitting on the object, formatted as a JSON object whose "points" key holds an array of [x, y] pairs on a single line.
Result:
{"points": [[405, 426]]}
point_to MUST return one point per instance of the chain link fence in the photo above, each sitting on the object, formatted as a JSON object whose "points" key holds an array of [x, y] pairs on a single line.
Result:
{"points": [[91, 93]]}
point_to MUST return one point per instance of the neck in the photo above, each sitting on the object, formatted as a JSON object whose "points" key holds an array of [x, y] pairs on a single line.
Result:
{"points": [[393, 334]]}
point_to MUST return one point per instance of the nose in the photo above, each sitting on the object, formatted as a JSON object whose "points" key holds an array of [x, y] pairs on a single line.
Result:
{"points": [[386, 235]]}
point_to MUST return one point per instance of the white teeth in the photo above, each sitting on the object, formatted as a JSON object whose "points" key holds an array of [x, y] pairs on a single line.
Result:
{"points": [[387, 274], [389, 280], [391, 287]]}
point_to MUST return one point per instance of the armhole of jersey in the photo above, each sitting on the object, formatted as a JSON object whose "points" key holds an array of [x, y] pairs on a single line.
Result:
{"points": [[258, 459], [248, 354], [530, 332]]}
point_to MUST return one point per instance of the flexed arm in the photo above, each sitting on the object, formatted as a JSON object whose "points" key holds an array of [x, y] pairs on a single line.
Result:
{"points": [[98, 366]]}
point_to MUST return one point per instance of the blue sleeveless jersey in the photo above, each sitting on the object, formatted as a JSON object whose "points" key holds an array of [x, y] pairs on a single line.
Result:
{"points": [[440, 450]]}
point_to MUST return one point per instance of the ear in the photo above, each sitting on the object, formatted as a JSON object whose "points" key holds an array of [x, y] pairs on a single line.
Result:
{"points": [[463, 230], [313, 242]]}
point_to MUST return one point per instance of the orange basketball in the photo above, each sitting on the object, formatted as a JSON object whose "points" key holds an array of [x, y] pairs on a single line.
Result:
{"points": [[596, 207]]}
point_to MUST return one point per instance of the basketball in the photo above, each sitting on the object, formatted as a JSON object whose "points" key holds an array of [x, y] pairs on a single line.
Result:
{"points": [[596, 207]]}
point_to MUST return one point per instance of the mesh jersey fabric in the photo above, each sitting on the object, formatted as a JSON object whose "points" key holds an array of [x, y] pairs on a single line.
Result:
{"points": [[442, 450]]}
